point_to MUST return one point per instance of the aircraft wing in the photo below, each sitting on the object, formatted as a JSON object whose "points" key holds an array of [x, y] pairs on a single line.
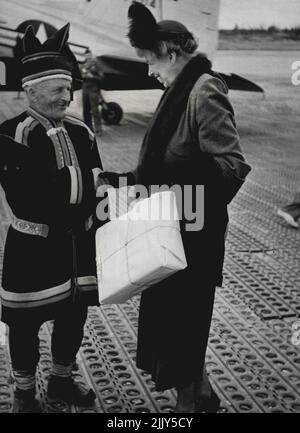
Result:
{"points": [[122, 73], [236, 82]]}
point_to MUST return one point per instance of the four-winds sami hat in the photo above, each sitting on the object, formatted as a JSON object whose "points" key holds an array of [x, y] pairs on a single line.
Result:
{"points": [[145, 32], [52, 59]]}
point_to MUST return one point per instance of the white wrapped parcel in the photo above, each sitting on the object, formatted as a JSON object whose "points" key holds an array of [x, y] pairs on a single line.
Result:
{"points": [[139, 249]]}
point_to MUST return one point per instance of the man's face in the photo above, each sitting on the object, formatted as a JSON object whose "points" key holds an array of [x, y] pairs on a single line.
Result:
{"points": [[52, 98]]}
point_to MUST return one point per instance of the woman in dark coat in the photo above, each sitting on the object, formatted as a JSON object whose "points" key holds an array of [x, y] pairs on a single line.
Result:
{"points": [[191, 140]]}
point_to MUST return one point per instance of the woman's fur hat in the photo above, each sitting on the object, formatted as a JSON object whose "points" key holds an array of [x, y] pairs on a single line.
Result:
{"points": [[145, 32]]}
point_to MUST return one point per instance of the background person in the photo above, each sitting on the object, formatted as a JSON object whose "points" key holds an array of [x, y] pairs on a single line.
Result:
{"points": [[91, 92]]}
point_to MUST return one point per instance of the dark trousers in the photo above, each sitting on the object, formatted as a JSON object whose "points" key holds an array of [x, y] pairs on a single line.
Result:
{"points": [[90, 100], [66, 338]]}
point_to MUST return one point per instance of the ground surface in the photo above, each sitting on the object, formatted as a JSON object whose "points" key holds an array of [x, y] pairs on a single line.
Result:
{"points": [[252, 362]]}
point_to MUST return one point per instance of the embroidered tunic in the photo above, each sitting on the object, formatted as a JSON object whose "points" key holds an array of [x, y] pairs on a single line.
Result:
{"points": [[49, 254]]}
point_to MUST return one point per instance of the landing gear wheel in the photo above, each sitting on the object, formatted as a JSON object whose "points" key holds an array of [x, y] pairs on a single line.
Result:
{"points": [[112, 113]]}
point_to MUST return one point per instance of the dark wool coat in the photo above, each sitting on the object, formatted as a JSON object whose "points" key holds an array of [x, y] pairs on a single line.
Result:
{"points": [[203, 149], [47, 177]]}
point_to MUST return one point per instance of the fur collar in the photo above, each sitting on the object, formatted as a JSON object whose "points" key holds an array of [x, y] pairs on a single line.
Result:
{"points": [[166, 118]]}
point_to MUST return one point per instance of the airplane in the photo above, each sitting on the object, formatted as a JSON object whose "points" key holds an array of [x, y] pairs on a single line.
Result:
{"points": [[101, 26]]}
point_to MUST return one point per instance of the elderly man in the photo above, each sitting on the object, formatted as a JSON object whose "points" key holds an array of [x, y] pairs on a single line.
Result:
{"points": [[49, 165]]}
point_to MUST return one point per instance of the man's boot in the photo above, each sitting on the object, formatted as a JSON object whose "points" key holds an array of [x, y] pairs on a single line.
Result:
{"points": [[25, 402], [65, 389]]}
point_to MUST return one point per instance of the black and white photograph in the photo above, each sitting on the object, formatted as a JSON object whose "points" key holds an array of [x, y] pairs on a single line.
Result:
{"points": [[149, 209]]}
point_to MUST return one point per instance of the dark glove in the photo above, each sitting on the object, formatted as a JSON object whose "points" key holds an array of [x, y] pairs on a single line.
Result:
{"points": [[112, 178]]}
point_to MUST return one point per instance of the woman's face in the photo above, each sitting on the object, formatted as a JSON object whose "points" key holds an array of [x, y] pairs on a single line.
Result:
{"points": [[160, 67]]}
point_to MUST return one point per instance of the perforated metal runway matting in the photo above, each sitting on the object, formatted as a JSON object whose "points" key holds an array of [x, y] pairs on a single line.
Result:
{"points": [[252, 360]]}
